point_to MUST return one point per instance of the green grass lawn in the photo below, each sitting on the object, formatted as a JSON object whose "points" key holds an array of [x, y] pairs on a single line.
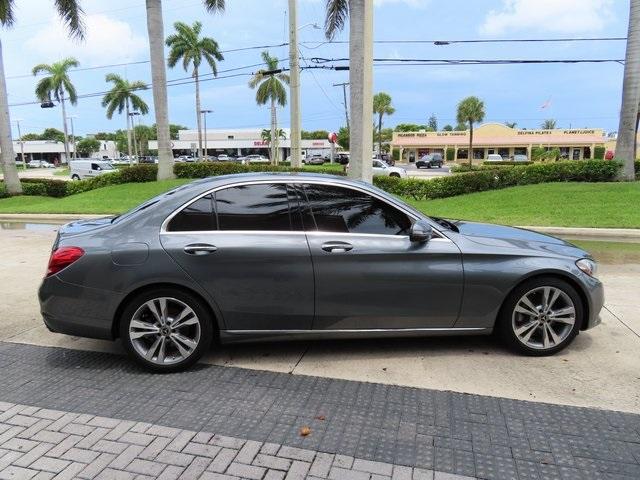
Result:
{"points": [[552, 204], [112, 199]]}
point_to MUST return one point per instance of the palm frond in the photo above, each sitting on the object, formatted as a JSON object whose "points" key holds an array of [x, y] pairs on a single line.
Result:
{"points": [[68, 63], [7, 17], [43, 89], [337, 13], [71, 14], [42, 67], [139, 104], [214, 6], [71, 90]]}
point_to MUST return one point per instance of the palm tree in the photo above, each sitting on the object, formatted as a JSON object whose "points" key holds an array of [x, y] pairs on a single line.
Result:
{"points": [[122, 98], [270, 88], [511, 124], [155, 30], [187, 45], [71, 14], [629, 112], [548, 124], [266, 134], [382, 106], [360, 13], [470, 110], [56, 84]]}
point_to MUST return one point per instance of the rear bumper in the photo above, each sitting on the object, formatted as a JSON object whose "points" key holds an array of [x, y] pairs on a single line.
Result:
{"points": [[76, 310]]}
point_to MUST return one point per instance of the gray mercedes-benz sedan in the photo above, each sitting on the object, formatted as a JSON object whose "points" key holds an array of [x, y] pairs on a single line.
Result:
{"points": [[299, 256]]}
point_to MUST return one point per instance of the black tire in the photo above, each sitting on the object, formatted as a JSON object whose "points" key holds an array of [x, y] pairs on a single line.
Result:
{"points": [[75, 177], [506, 324], [394, 175], [202, 314]]}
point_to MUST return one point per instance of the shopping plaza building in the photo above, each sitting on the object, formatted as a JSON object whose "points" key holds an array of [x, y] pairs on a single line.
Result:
{"points": [[495, 138], [238, 142]]}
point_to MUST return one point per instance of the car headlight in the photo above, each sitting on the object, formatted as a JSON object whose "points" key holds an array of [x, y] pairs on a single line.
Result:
{"points": [[588, 266]]}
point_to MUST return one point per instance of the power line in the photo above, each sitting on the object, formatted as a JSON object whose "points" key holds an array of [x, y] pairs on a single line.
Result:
{"points": [[442, 42], [441, 61]]}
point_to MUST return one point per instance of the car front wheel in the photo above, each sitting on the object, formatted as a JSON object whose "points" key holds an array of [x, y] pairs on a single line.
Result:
{"points": [[541, 317], [166, 330]]}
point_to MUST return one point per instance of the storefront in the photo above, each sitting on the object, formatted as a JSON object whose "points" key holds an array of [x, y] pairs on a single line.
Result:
{"points": [[495, 138]]}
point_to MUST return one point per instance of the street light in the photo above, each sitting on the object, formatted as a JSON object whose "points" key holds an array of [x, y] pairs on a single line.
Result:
{"points": [[135, 142], [204, 114], [24, 164]]}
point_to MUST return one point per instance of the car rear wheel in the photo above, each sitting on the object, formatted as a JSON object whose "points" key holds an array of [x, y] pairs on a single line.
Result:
{"points": [[75, 177], [541, 317], [395, 175], [166, 330]]}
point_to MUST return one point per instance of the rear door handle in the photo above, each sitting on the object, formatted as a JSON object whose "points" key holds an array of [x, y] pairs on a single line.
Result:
{"points": [[200, 249], [337, 247]]}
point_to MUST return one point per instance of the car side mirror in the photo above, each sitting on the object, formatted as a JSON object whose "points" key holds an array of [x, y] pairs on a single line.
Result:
{"points": [[421, 232]]}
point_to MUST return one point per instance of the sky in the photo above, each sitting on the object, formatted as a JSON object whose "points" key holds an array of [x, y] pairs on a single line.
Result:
{"points": [[576, 95]]}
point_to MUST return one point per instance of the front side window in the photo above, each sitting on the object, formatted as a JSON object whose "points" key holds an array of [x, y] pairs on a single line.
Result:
{"points": [[254, 207], [343, 210], [196, 217]]}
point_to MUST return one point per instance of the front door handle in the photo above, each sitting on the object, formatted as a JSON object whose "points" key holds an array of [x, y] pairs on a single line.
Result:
{"points": [[200, 249], [337, 247]]}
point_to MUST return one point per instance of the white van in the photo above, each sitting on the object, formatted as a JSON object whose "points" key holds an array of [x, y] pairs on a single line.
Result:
{"points": [[81, 169]]}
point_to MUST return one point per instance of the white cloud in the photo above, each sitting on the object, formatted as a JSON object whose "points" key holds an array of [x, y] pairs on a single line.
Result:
{"points": [[558, 16], [107, 40]]}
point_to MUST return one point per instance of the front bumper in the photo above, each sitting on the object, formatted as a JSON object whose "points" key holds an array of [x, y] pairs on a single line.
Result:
{"points": [[76, 310], [595, 293]]}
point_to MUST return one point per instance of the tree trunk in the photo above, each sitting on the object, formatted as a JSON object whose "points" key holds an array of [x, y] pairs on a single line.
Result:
{"points": [[361, 83], [470, 144], [128, 132], [64, 127], [628, 128], [274, 141], [380, 133], [198, 115], [9, 170], [155, 29]]}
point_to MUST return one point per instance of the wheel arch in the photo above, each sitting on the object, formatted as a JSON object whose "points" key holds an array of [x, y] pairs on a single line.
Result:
{"points": [[561, 275], [115, 327]]}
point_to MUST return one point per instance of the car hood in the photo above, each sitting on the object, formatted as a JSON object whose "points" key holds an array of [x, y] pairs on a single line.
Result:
{"points": [[512, 237]]}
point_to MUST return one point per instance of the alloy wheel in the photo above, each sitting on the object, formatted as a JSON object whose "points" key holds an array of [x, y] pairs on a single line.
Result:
{"points": [[165, 331], [543, 318]]}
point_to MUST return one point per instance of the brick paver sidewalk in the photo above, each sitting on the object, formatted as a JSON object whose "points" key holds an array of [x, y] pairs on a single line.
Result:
{"points": [[257, 419]]}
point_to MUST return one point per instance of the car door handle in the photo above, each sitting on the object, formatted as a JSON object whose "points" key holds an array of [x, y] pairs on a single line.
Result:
{"points": [[200, 249], [337, 247]]}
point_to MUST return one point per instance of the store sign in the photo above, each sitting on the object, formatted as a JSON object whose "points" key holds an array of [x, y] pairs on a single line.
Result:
{"points": [[260, 143], [551, 132]]}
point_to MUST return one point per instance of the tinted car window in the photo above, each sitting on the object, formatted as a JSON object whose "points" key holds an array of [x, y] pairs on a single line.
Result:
{"points": [[253, 207], [337, 209], [197, 217]]}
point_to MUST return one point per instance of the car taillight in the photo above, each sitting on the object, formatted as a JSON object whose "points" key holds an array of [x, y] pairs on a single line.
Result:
{"points": [[62, 258]]}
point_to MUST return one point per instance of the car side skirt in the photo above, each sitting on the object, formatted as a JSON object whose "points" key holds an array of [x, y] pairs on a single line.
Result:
{"points": [[237, 336]]}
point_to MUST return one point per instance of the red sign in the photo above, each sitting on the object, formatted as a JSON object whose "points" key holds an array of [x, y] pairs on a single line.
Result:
{"points": [[260, 143], [333, 137]]}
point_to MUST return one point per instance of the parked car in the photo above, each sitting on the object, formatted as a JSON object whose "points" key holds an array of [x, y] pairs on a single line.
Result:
{"points": [[520, 158], [342, 158], [316, 159], [40, 164], [209, 158], [494, 157], [385, 157], [184, 158], [195, 263], [381, 168], [223, 157], [81, 169], [254, 158], [433, 160]]}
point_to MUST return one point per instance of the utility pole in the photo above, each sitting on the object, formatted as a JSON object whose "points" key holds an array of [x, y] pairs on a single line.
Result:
{"points": [[294, 86], [24, 164], [73, 137], [206, 150], [135, 141], [344, 86]]}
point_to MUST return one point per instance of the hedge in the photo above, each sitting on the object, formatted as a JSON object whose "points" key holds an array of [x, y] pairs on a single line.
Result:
{"points": [[598, 153], [211, 169], [491, 179]]}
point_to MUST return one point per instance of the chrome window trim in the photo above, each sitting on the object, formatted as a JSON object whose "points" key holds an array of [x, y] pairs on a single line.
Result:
{"points": [[313, 181]]}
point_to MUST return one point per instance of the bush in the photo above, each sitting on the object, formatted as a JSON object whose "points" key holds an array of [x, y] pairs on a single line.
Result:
{"points": [[537, 153], [505, 164], [450, 154], [598, 153], [138, 173], [52, 188], [211, 169], [3, 191], [490, 179], [37, 189]]}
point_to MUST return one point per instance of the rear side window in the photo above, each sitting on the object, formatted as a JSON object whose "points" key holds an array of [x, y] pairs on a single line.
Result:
{"points": [[254, 207], [196, 217], [343, 210]]}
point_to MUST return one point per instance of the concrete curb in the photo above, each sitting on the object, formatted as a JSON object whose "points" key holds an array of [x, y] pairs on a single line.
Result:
{"points": [[580, 232], [45, 217], [592, 233]]}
